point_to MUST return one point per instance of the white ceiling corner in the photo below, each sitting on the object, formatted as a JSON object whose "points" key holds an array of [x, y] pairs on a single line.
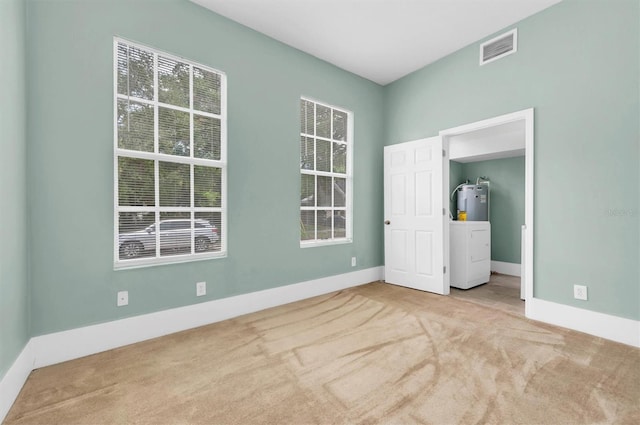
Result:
{"points": [[381, 40]]}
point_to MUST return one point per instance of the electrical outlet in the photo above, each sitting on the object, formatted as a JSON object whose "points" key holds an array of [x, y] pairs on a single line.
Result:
{"points": [[123, 298], [580, 292], [353, 261], [201, 289]]}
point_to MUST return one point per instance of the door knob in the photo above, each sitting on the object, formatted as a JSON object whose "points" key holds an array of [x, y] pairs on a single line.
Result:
{"points": [[387, 222]]}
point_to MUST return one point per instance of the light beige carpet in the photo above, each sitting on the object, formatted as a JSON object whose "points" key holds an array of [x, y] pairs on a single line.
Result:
{"points": [[502, 292], [372, 354]]}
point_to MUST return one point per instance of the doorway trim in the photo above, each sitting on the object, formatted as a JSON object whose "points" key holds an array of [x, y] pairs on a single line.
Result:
{"points": [[526, 115]]}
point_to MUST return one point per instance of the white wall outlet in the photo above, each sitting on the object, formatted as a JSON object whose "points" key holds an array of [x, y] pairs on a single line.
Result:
{"points": [[580, 292], [353, 261], [123, 298], [201, 289]]}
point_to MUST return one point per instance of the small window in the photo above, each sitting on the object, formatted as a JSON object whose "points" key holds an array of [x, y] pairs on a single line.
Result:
{"points": [[326, 148], [170, 158]]}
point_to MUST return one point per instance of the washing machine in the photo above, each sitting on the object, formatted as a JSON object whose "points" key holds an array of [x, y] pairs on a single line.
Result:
{"points": [[469, 253]]}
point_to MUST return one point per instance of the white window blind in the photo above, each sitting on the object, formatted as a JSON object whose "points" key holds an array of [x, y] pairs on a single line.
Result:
{"points": [[325, 173], [170, 158]]}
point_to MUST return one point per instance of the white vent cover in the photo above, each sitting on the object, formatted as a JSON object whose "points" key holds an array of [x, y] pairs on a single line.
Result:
{"points": [[499, 47]]}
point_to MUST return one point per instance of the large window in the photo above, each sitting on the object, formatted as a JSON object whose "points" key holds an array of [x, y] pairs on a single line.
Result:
{"points": [[170, 158], [325, 174]]}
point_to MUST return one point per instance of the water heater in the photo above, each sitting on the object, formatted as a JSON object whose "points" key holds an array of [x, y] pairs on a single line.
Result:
{"points": [[474, 200]]}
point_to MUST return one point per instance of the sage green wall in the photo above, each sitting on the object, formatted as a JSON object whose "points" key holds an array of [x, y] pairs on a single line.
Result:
{"points": [[14, 309], [507, 203], [71, 160], [585, 94], [578, 65]]}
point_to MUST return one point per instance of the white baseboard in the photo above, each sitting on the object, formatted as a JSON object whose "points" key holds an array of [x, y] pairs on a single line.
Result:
{"points": [[67, 345], [58, 347], [72, 344], [615, 328], [14, 379], [511, 269]]}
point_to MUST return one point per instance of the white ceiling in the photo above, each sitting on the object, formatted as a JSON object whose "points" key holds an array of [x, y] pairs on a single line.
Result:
{"points": [[381, 40]]}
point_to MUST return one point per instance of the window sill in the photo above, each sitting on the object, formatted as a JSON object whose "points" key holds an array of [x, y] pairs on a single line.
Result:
{"points": [[151, 262], [313, 244]]}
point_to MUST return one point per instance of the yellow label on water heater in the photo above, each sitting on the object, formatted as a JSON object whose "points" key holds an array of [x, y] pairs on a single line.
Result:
{"points": [[462, 216]]}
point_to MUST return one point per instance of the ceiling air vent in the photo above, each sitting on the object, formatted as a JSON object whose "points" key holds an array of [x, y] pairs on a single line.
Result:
{"points": [[499, 47]]}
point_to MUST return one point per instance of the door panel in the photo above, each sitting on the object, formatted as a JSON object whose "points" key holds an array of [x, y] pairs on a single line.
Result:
{"points": [[424, 250], [399, 193], [414, 220], [399, 255], [398, 158], [423, 193]]}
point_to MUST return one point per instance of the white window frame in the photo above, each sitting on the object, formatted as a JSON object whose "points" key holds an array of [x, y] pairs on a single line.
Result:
{"points": [[349, 178], [157, 157]]}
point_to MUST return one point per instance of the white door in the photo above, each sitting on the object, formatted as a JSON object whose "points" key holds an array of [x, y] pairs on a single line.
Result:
{"points": [[414, 215]]}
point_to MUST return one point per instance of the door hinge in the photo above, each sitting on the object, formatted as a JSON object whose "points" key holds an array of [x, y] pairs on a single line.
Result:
{"points": [[444, 212], [444, 270], [444, 153]]}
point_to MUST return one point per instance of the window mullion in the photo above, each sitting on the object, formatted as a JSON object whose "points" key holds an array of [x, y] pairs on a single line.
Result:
{"points": [[333, 203], [324, 173], [315, 141], [191, 135], [331, 140], [173, 107], [191, 184], [191, 153], [207, 209], [120, 96], [315, 177], [169, 158], [136, 209], [156, 171], [156, 163], [155, 104]]}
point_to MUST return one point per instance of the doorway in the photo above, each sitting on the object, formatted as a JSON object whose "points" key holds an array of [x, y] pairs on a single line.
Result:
{"points": [[499, 137]]}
